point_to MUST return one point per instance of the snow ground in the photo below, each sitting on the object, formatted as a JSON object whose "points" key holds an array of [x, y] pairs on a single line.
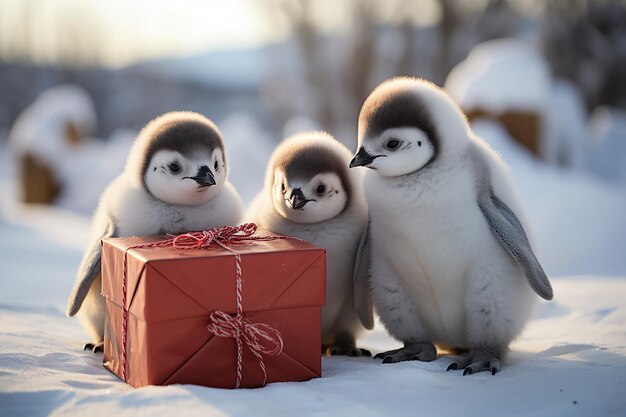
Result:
{"points": [[570, 360]]}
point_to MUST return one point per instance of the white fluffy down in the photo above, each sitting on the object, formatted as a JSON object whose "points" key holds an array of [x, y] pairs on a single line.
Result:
{"points": [[339, 234], [438, 273]]}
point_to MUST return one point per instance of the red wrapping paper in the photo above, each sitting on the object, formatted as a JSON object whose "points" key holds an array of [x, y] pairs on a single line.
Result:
{"points": [[171, 293]]}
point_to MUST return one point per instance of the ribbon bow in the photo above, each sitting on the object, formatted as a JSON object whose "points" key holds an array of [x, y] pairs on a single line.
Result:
{"points": [[260, 338], [204, 238]]}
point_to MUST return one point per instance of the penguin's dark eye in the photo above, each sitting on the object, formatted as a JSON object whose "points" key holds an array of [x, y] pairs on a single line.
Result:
{"points": [[392, 144], [282, 187], [174, 168], [321, 188], [419, 143], [216, 166]]}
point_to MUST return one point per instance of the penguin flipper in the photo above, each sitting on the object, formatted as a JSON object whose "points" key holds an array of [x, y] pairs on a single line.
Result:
{"points": [[362, 294], [88, 271], [508, 230]]}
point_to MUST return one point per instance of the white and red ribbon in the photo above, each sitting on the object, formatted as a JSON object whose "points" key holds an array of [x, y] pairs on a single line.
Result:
{"points": [[260, 338]]}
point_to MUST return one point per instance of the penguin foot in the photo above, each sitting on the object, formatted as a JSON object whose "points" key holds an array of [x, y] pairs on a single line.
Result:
{"points": [[417, 351], [476, 361], [94, 347], [353, 351], [345, 345]]}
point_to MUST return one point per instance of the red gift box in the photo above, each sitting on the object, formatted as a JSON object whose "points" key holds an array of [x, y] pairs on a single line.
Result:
{"points": [[177, 300]]}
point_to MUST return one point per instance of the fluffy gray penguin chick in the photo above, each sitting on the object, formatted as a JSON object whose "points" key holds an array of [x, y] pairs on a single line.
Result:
{"points": [[445, 259], [175, 180], [311, 194]]}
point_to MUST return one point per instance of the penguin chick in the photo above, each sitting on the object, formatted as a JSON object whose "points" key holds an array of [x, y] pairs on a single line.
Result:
{"points": [[311, 194], [175, 180], [445, 257]]}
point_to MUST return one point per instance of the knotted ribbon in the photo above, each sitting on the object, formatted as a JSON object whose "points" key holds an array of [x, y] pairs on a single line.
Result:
{"points": [[260, 338]]}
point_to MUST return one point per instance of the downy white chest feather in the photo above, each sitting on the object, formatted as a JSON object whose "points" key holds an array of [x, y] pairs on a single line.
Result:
{"points": [[430, 237]]}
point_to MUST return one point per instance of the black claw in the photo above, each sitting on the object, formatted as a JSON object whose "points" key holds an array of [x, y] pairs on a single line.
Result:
{"points": [[453, 367], [493, 371], [388, 359], [348, 351], [94, 347], [380, 355], [467, 371]]}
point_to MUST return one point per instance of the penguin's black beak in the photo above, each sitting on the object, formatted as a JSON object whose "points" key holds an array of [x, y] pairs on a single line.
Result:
{"points": [[297, 200], [362, 158], [204, 177]]}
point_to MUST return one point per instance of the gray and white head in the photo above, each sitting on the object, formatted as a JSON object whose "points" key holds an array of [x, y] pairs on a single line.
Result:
{"points": [[308, 178], [179, 158], [407, 124]]}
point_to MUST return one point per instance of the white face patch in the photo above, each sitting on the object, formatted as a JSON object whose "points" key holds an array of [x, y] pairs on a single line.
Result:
{"points": [[180, 180], [399, 151], [318, 199]]}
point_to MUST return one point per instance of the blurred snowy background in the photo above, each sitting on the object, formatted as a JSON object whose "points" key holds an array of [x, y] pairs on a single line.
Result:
{"points": [[543, 81]]}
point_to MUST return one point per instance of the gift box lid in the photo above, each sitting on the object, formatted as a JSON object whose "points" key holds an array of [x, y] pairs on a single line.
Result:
{"points": [[276, 274]]}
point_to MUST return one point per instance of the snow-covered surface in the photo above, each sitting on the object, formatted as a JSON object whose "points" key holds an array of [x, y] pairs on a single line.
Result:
{"points": [[577, 221], [500, 75], [83, 170], [570, 360], [607, 153], [510, 75], [40, 128], [565, 140]]}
